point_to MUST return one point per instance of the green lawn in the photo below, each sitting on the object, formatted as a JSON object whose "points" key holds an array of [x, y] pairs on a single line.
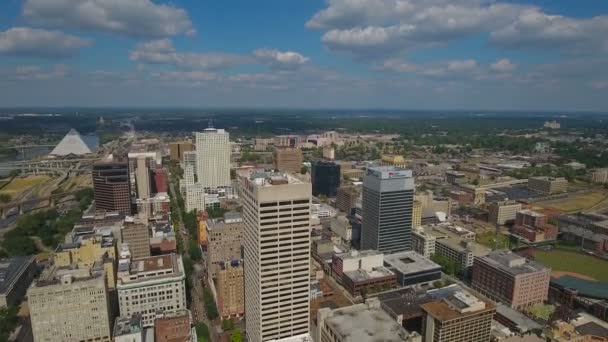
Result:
{"points": [[542, 311], [566, 261], [493, 240]]}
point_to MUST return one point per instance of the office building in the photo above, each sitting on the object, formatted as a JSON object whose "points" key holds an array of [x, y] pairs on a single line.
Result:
{"points": [[325, 178], [288, 141], [431, 205], [195, 197], [189, 166], [532, 226], [288, 160], [157, 205], [455, 177], [111, 186], [388, 201], [136, 235], [230, 286], [129, 329], [503, 212], [346, 198], [456, 317], [213, 152], [360, 322], [225, 237], [177, 149], [423, 243], [69, 304], [329, 152], [511, 279], [16, 275], [148, 285], [417, 214], [174, 327], [548, 185], [412, 269], [362, 272], [276, 250], [142, 178]]}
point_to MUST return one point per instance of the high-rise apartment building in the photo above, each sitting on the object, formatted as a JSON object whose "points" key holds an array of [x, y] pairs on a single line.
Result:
{"points": [[456, 317], [325, 178], [69, 304], [276, 211], [346, 198], [231, 289], [511, 279], [151, 162], [288, 159], [111, 186], [224, 236], [195, 197], [148, 285], [388, 201], [137, 236], [213, 153]]}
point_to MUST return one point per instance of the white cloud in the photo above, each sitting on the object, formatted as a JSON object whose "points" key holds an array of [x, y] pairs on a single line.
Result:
{"points": [[37, 73], [503, 65], [279, 59], [385, 28], [29, 42], [462, 65], [163, 52], [134, 18]]}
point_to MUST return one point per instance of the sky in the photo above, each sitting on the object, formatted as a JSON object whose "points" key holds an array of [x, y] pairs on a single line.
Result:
{"points": [[392, 54]]}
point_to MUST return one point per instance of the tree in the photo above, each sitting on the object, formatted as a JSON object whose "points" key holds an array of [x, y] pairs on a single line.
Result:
{"points": [[194, 250], [210, 306], [237, 336], [303, 170], [202, 332], [227, 325], [5, 198], [323, 198]]}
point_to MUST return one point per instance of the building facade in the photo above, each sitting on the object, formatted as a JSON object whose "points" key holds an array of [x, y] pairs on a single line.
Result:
{"points": [[346, 198], [388, 201], [17, 274], [288, 159], [213, 152], [423, 243], [276, 211], [325, 178], [231, 289], [69, 305], [111, 186], [137, 236], [148, 285], [503, 212], [511, 279], [417, 214], [548, 185], [225, 237], [177, 149]]}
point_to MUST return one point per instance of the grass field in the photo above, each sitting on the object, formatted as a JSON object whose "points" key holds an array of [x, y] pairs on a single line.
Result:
{"points": [[493, 240], [574, 262], [574, 203], [19, 184], [542, 311]]}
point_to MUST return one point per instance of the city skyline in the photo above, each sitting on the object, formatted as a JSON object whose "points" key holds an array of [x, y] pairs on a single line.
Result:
{"points": [[508, 55]]}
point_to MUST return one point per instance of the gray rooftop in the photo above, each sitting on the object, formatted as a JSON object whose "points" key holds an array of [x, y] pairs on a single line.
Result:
{"points": [[409, 262], [10, 269], [512, 263], [362, 323], [522, 322], [127, 325], [363, 275]]}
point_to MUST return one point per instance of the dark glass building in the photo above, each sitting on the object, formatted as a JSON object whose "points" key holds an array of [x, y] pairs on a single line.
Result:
{"points": [[111, 186], [325, 178]]}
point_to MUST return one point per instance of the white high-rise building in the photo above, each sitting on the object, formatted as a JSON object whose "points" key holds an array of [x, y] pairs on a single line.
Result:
{"points": [[276, 212], [189, 166], [195, 197], [213, 158]]}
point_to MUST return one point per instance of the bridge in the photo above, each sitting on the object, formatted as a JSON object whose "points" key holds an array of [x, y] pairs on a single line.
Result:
{"points": [[30, 204], [50, 165]]}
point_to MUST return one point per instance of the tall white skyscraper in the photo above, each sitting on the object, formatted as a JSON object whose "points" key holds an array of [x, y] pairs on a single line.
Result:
{"points": [[276, 212], [213, 158]]}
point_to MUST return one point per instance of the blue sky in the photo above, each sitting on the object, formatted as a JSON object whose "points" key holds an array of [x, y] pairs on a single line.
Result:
{"points": [[407, 54]]}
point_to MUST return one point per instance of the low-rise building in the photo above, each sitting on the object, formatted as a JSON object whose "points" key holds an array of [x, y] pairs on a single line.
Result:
{"points": [[532, 226], [599, 176], [362, 272], [16, 275], [458, 316], [503, 212], [341, 226], [412, 269], [150, 284], [511, 279], [136, 235], [288, 159], [590, 231], [230, 289], [69, 304], [515, 321], [548, 185], [174, 327], [360, 322], [455, 177], [423, 243], [129, 329]]}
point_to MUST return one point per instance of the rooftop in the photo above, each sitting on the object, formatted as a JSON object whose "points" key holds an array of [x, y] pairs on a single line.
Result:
{"points": [[127, 325], [273, 178], [455, 303], [230, 217], [404, 302], [153, 263], [10, 269], [522, 322], [586, 288], [389, 172], [361, 322], [354, 254], [409, 262], [361, 275], [530, 213], [513, 263]]}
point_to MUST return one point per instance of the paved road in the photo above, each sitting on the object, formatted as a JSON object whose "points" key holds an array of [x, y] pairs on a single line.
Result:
{"points": [[196, 292]]}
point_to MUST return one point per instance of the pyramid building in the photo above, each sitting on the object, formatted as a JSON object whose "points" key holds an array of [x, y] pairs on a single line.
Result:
{"points": [[75, 144]]}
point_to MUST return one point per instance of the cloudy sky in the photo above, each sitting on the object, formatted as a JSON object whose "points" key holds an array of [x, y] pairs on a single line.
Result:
{"points": [[409, 54]]}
